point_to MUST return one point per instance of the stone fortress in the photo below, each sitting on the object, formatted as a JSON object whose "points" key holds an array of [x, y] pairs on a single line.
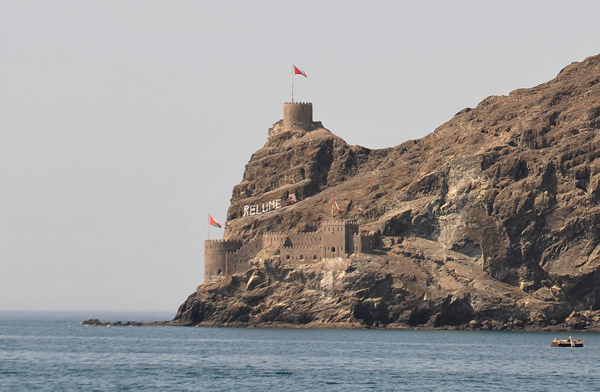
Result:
{"points": [[335, 239]]}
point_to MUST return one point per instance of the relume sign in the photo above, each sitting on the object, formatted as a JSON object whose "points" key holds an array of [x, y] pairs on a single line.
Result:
{"points": [[257, 209]]}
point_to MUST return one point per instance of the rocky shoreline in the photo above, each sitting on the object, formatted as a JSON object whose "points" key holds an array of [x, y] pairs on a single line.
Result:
{"points": [[377, 292], [490, 326], [97, 323]]}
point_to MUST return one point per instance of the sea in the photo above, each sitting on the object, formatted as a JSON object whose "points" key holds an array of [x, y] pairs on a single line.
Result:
{"points": [[53, 352]]}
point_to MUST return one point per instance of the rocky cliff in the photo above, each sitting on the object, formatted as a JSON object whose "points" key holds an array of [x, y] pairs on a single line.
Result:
{"points": [[491, 221]]}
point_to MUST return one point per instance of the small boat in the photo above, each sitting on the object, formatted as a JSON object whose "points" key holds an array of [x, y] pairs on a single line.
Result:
{"points": [[570, 342]]}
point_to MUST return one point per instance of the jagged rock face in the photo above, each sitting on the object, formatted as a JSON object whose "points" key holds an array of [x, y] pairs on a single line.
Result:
{"points": [[415, 283], [298, 162], [512, 186]]}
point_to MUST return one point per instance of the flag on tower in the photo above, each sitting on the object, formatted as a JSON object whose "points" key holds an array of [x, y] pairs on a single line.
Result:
{"points": [[298, 71], [213, 222], [335, 205]]}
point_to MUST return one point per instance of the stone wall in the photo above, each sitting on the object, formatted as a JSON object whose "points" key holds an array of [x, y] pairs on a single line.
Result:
{"points": [[274, 239], [238, 260], [305, 239], [362, 243], [300, 254]]}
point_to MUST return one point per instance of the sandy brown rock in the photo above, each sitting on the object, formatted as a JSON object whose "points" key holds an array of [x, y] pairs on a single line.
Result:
{"points": [[491, 221]]}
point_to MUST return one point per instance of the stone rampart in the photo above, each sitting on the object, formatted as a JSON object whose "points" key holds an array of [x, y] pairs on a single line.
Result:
{"points": [[305, 239], [300, 254], [240, 259], [274, 239], [362, 243]]}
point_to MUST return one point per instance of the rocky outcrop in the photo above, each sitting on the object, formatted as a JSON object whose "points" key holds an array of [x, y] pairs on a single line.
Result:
{"points": [[97, 323], [491, 221]]}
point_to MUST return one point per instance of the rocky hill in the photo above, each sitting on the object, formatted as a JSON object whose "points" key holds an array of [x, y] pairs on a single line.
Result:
{"points": [[491, 221]]}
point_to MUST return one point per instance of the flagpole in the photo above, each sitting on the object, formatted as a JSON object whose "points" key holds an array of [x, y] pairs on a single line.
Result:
{"points": [[292, 87], [208, 227]]}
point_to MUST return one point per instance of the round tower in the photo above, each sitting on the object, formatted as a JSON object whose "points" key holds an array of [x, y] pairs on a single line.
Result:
{"points": [[215, 257], [297, 115]]}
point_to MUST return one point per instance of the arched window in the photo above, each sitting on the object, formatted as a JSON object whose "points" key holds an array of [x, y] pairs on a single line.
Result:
{"points": [[287, 257], [301, 257], [314, 257]]}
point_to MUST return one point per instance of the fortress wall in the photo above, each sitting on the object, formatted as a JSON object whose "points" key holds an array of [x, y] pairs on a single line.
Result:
{"points": [[297, 115], [306, 239], [274, 239], [361, 243], [237, 265], [239, 261], [367, 243], [250, 249], [300, 254]]}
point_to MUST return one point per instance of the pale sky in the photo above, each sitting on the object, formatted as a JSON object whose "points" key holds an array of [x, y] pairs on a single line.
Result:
{"points": [[124, 123]]}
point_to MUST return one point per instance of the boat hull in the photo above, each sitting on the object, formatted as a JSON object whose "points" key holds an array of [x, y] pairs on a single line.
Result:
{"points": [[566, 343]]}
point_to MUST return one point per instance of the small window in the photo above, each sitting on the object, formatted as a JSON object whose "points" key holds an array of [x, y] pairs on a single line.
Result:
{"points": [[287, 257], [314, 257], [301, 257], [219, 272], [333, 248]]}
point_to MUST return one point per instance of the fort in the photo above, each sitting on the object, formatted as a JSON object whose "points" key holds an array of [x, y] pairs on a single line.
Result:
{"points": [[335, 239]]}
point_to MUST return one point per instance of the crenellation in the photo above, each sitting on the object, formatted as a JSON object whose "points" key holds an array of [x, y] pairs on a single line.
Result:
{"points": [[297, 116], [335, 239], [301, 247]]}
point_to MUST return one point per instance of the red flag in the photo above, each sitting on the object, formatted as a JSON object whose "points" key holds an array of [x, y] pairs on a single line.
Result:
{"points": [[336, 205], [298, 71], [213, 222]]}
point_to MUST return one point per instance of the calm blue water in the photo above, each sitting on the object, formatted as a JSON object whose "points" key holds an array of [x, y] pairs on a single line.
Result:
{"points": [[42, 352]]}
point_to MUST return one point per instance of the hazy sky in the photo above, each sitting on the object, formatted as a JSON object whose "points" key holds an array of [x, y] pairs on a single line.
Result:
{"points": [[123, 123]]}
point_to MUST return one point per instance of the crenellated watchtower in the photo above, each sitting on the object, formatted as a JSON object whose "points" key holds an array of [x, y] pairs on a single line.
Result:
{"points": [[338, 238], [215, 256], [297, 116]]}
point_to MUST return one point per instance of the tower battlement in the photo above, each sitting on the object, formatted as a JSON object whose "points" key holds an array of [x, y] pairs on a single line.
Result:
{"points": [[223, 245], [297, 115]]}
